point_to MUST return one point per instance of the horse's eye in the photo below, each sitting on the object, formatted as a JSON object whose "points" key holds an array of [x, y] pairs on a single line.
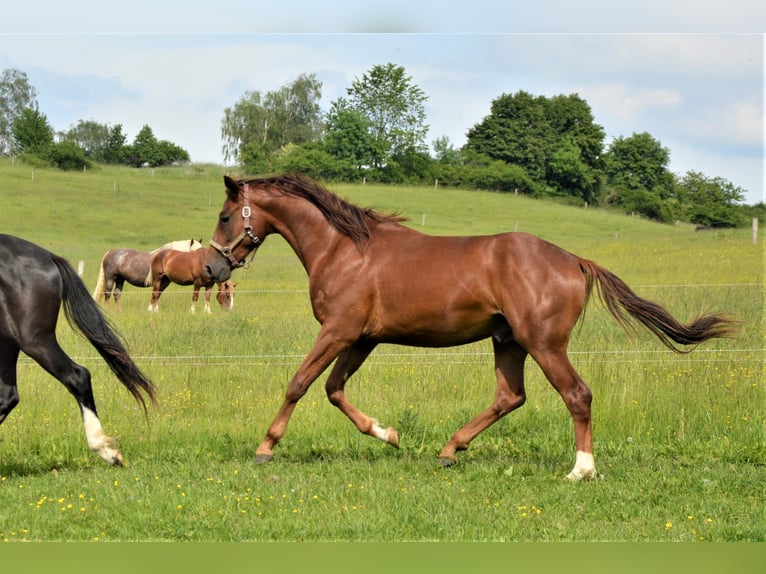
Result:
{"points": [[224, 218]]}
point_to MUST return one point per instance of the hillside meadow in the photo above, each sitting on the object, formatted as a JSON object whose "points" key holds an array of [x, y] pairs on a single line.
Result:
{"points": [[679, 439]]}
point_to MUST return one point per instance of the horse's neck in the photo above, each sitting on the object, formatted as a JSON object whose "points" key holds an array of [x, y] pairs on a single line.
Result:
{"points": [[310, 235]]}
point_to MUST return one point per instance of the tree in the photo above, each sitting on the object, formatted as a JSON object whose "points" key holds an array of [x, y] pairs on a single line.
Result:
{"points": [[265, 123], [394, 108], [90, 136], [348, 135], [709, 201], [147, 150], [445, 152], [639, 162], [115, 149], [31, 133], [637, 172], [16, 95], [555, 140]]}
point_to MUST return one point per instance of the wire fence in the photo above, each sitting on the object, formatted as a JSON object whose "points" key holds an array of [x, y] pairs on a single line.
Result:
{"points": [[441, 357]]}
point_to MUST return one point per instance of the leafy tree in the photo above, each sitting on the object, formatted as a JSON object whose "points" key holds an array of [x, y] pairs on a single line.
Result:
{"points": [[709, 201], [115, 148], [348, 135], [639, 162], [16, 95], [637, 172], [147, 150], [445, 152], [265, 123], [31, 133], [555, 141], [394, 108], [92, 137]]}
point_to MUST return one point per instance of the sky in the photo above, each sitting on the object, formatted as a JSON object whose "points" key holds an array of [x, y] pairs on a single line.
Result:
{"points": [[692, 78]]}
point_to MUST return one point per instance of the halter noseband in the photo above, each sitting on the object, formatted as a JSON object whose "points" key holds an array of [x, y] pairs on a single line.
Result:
{"points": [[247, 231]]}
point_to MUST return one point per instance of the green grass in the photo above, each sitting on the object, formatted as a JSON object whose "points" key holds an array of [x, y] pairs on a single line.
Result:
{"points": [[679, 440]]}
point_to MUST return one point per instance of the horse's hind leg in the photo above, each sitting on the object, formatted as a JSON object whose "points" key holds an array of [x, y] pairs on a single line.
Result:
{"points": [[76, 378], [119, 283], [9, 395], [510, 395], [577, 397]]}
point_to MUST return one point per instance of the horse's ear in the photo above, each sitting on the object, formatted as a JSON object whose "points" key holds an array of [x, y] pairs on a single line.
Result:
{"points": [[232, 187]]}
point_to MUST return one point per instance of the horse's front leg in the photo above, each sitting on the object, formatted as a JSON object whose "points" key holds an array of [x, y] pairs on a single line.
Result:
{"points": [[326, 348], [208, 294], [346, 365], [195, 297]]}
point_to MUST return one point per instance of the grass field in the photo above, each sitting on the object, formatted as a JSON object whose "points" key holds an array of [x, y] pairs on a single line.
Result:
{"points": [[679, 440]]}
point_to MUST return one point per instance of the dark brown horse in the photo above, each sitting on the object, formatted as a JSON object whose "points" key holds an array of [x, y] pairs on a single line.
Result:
{"points": [[373, 280], [33, 285], [187, 268], [122, 264]]}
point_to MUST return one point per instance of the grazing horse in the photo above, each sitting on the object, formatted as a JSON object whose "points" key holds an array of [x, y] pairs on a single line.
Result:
{"points": [[373, 280], [122, 264], [187, 268], [33, 285]]}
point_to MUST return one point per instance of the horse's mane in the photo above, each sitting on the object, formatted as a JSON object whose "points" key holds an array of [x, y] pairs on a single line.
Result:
{"points": [[349, 219]]}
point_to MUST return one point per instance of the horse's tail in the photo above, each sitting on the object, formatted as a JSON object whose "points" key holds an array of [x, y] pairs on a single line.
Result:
{"points": [[98, 292], [148, 280], [624, 304], [83, 313]]}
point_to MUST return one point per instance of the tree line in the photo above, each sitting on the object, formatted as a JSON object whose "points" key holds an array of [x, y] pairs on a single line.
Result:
{"points": [[534, 145], [26, 133]]}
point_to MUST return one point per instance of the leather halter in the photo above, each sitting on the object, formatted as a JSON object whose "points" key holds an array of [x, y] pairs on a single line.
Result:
{"points": [[247, 231]]}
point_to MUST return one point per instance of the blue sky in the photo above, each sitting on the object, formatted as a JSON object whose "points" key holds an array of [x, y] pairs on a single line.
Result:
{"points": [[692, 79]]}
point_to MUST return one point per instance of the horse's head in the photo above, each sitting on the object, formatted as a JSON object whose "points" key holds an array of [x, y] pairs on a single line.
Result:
{"points": [[225, 295], [241, 229]]}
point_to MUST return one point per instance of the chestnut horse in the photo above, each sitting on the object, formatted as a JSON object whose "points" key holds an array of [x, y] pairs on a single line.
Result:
{"points": [[34, 283], [187, 268], [122, 264], [373, 280]]}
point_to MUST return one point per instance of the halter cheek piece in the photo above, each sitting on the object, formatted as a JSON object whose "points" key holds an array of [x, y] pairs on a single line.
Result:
{"points": [[228, 250]]}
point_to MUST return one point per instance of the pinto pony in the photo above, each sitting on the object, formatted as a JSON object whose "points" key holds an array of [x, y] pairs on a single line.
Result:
{"points": [[187, 268], [373, 280], [122, 264], [34, 284]]}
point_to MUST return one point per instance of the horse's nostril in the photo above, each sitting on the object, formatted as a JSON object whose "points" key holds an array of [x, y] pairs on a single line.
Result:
{"points": [[209, 270]]}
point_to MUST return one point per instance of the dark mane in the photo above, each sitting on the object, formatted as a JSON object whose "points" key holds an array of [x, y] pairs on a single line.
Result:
{"points": [[351, 220]]}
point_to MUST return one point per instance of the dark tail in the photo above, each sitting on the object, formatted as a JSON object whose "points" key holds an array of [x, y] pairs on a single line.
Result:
{"points": [[83, 313], [625, 305]]}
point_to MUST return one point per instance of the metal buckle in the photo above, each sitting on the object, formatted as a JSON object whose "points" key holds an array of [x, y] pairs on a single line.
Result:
{"points": [[246, 211]]}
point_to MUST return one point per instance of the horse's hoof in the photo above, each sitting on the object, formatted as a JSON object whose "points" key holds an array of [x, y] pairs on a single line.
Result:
{"points": [[263, 458], [447, 462]]}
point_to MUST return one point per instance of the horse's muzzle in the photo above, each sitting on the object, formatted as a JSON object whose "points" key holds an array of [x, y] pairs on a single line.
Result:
{"points": [[217, 266]]}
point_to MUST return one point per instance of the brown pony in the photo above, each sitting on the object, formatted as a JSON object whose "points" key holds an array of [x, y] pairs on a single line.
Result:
{"points": [[373, 280], [122, 264], [187, 268]]}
